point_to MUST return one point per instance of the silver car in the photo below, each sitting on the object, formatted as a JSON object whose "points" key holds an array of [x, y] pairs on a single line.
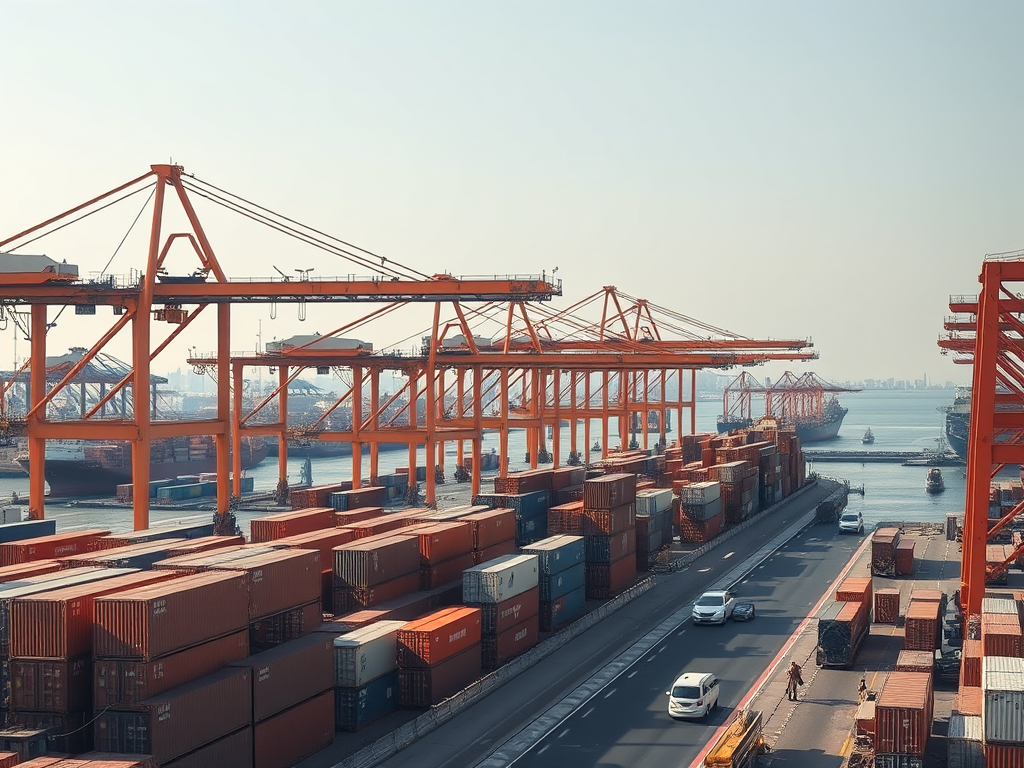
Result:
{"points": [[693, 694], [851, 522], [714, 607]]}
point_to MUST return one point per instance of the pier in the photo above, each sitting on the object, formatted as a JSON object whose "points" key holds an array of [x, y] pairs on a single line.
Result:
{"points": [[908, 458]]}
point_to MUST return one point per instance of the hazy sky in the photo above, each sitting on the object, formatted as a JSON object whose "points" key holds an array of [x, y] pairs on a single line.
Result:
{"points": [[832, 170]]}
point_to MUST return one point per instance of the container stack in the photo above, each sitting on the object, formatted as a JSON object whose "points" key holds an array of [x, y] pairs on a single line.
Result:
{"points": [[1002, 684], [323, 541], [653, 524], [357, 498], [317, 495], [567, 485], [905, 557], [903, 719], [440, 654], [887, 606], [284, 524], [370, 571], [566, 518], [26, 529], [609, 525], [365, 674], [883, 551], [446, 550], [506, 591], [923, 622], [531, 510], [131, 556], [700, 515], [50, 547], [562, 576], [159, 657], [739, 488], [1001, 633], [494, 533], [204, 544], [292, 698]]}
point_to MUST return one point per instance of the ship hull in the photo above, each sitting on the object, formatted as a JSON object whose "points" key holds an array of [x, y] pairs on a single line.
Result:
{"points": [[957, 426], [83, 477], [807, 432]]}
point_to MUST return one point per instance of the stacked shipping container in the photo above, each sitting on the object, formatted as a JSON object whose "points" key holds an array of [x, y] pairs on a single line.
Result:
{"points": [[609, 526], [438, 655], [562, 577]]}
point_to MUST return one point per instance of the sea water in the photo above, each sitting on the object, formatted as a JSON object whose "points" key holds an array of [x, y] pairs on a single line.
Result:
{"points": [[900, 420]]}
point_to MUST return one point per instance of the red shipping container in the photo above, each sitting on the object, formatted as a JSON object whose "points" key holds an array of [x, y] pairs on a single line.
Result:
{"points": [[124, 683], [180, 720], [234, 751], [887, 606], [375, 526], [445, 572], [970, 664], [153, 621], [921, 627], [905, 557], [854, 589], [915, 661], [567, 477], [404, 608], [270, 631], [46, 685], [367, 597], [120, 556], [279, 580], [566, 518], [317, 495], [903, 714], [442, 541], [1004, 756], [205, 544], [497, 550], [285, 739], [598, 522], [968, 700], [58, 624], [361, 564], [11, 759], [70, 732], [527, 481], [438, 636], [495, 651], [883, 551], [699, 531], [289, 674], [370, 496], [423, 687], [27, 570], [284, 524], [609, 491], [500, 617], [928, 595], [322, 541], [606, 580], [50, 547], [616, 546], [1001, 635], [351, 516]]}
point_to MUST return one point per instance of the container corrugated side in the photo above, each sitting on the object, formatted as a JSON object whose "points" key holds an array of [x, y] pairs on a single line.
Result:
{"points": [[124, 683], [366, 653], [500, 579], [292, 523], [423, 687], [289, 674], [498, 617], [205, 544], [355, 707], [1001, 635], [1002, 684], [442, 541], [271, 631], [51, 685], [141, 555], [559, 612], [556, 553], [903, 714], [1004, 756], [438, 636], [963, 742], [606, 580], [279, 580], [609, 491], [362, 564], [51, 547], [20, 571], [554, 586], [495, 651], [27, 529], [605, 549], [232, 751], [283, 740], [58, 624], [150, 622], [181, 720]]}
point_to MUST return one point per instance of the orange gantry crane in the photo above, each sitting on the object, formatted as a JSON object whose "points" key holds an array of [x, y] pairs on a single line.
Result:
{"points": [[532, 373], [988, 332], [156, 295]]}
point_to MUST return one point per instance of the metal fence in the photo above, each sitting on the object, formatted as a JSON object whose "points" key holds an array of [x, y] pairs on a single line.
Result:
{"points": [[402, 737]]}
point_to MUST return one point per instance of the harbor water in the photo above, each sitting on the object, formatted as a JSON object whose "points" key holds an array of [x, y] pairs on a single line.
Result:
{"points": [[900, 420]]}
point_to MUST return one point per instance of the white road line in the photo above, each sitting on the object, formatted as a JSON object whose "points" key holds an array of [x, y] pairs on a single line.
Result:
{"points": [[591, 709], [662, 648], [726, 557], [613, 690], [629, 677], [541, 750], [563, 733]]}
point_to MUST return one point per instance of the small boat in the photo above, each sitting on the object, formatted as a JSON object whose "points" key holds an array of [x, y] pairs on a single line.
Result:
{"points": [[933, 482], [869, 437]]}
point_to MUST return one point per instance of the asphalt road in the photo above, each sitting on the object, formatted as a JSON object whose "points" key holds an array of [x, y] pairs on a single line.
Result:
{"points": [[626, 723]]}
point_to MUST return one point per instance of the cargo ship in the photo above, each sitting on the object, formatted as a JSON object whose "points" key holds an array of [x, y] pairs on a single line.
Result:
{"points": [[324, 449], [958, 421], [807, 402], [96, 468]]}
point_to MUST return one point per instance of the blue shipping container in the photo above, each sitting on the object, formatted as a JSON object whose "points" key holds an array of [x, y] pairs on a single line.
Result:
{"points": [[530, 529], [559, 584], [558, 553], [355, 707], [27, 529], [525, 504], [563, 610]]}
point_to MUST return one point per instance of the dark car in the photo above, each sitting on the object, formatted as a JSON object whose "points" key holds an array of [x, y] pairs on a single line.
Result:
{"points": [[744, 611]]}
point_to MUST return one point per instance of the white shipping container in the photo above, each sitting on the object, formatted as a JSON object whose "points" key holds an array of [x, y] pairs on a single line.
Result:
{"points": [[653, 501], [366, 653], [999, 605], [963, 742], [701, 493], [499, 579], [1002, 703]]}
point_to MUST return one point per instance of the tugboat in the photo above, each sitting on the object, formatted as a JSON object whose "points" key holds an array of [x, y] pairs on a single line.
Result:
{"points": [[869, 437], [933, 482]]}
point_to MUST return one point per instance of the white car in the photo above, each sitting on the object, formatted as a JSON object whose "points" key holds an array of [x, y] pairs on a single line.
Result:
{"points": [[714, 607], [693, 694], [851, 522]]}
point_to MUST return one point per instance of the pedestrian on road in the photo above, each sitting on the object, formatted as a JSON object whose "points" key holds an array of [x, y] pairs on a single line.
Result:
{"points": [[795, 680], [862, 690]]}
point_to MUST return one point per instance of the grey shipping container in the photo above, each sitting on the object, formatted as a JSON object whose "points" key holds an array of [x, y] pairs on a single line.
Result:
{"points": [[556, 553], [963, 742], [366, 653], [499, 579], [1002, 704]]}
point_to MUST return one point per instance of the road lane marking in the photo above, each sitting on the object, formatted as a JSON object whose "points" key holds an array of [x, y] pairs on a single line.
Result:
{"points": [[613, 690], [726, 557], [541, 750], [590, 710], [662, 648], [629, 677], [563, 733]]}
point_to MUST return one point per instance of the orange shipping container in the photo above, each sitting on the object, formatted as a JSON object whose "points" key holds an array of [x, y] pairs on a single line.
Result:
{"points": [[1001, 635], [1004, 756], [903, 714], [970, 663], [21, 571], [887, 606], [854, 589], [50, 547], [292, 523], [438, 636]]}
